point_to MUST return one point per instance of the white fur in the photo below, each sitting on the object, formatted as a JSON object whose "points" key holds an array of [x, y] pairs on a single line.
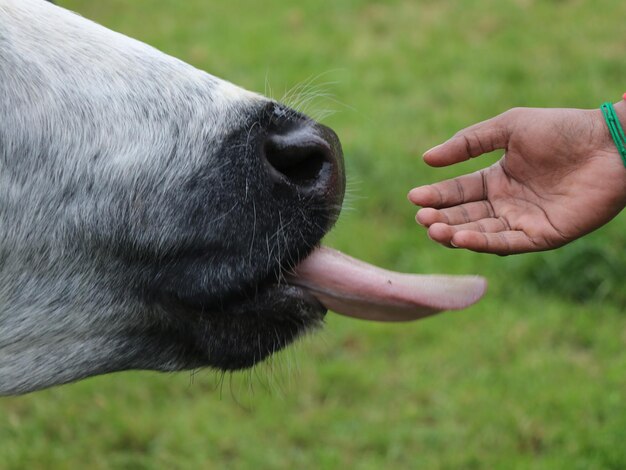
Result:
{"points": [[140, 224], [87, 110]]}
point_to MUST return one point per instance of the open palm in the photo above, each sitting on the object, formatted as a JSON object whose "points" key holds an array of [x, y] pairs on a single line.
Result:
{"points": [[560, 178]]}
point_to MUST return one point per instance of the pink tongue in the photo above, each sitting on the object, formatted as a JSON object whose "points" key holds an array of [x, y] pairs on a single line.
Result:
{"points": [[357, 289]]}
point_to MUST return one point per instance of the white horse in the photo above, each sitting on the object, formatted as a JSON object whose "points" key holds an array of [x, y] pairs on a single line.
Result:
{"points": [[150, 212]]}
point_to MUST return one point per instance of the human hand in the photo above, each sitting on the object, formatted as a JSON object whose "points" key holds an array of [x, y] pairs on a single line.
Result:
{"points": [[561, 177]]}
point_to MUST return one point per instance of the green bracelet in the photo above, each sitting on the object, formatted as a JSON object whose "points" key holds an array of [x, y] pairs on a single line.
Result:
{"points": [[615, 128]]}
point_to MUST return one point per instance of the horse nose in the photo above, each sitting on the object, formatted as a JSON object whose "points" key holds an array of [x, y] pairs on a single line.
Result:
{"points": [[306, 158]]}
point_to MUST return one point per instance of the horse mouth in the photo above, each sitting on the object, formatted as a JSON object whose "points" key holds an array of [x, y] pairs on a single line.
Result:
{"points": [[247, 326], [280, 309]]}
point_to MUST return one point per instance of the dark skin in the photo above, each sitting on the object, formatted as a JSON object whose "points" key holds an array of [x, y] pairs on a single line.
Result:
{"points": [[560, 178]]}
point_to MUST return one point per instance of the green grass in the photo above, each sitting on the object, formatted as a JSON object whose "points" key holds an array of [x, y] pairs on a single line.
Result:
{"points": [[534, 376]]}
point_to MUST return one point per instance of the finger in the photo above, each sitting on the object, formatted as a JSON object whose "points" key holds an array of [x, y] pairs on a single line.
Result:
{"points": [[456, 215], [471, 142], [466, 188], [444, 233], [501, 243]]}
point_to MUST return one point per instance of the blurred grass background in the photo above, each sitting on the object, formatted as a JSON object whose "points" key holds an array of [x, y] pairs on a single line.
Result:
{"points": [[534, 376]]}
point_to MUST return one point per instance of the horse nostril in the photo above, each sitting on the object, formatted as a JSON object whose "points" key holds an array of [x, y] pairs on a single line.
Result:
{"points": [[301, 158], [300, 165]]}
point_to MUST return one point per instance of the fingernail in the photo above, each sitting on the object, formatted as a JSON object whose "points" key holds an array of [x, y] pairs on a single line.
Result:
{"points": [[412, 193], [418, 220], [431, 149], [453, 244]]}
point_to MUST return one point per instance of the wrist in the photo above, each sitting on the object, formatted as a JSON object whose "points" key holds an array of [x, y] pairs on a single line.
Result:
{"points": [[620, 110], [602, 136], [612, 149]]}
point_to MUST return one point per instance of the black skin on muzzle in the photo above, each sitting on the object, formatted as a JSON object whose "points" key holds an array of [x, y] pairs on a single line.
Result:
{"points": [[222, 289]]}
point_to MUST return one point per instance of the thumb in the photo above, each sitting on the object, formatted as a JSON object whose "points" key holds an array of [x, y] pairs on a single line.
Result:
{"points": [[473, 141]]}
